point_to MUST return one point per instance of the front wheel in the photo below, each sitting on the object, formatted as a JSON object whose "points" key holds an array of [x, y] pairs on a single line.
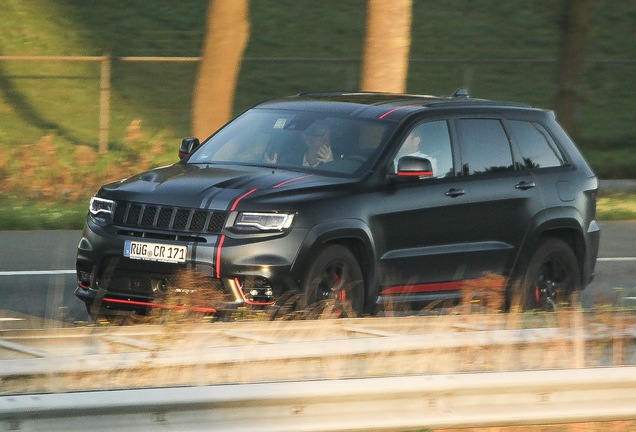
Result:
{"points": [[552, 276], [334, 282]]}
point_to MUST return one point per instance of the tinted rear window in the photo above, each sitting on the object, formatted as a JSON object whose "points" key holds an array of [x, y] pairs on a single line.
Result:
{"points": [[484, 146], [536, 147]]}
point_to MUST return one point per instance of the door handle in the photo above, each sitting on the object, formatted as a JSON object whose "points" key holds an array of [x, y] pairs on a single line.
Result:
{"points": [[454, 192], [524, 185]]}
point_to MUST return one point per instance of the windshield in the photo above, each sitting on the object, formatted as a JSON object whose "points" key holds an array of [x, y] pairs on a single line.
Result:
{"points": [[296, 139]]}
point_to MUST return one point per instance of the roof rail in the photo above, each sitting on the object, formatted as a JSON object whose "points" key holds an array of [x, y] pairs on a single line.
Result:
{"points": [[460, 93]]}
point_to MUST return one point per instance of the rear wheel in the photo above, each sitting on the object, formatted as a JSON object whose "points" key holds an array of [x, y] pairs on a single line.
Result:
{"points": [[552, 276], [334, 285]]}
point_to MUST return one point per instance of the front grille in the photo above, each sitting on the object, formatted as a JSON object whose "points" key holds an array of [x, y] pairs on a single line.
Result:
{"points": [[135, 215], [129, 282]]}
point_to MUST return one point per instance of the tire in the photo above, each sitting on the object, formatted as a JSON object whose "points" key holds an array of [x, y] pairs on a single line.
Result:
{"points": [[553, 274], [334, 284]]}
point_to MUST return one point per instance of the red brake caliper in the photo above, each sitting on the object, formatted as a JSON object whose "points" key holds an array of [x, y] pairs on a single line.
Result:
{"points": [[342, 294]]}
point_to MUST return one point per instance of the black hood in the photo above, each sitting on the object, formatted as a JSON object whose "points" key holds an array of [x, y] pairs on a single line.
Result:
{"points": [[216, 186]]}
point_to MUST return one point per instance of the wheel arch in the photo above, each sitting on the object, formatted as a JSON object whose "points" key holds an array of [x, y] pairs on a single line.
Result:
{"points": [[567, 229], [353, 234]]}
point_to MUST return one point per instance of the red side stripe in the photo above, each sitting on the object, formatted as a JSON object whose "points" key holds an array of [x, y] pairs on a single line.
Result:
{"points": [[423, 288], [160, 305]]}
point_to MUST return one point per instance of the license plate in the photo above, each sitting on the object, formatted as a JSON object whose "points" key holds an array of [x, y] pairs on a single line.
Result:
{"points": [[155, 252]]}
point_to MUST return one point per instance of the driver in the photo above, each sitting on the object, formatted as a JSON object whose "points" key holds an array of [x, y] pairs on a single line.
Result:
{"points": [[317, 137], [317, 140]]}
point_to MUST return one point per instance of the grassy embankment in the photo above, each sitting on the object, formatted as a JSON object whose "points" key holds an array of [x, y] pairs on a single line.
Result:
{"points": [[49, 113]]}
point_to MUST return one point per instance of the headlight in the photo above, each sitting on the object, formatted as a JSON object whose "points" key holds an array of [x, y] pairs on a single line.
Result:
{"points": [[264, 221], [101, 205]]}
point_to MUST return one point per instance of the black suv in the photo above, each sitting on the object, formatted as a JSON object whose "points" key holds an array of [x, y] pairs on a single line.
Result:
{"points": [[363, 199]]}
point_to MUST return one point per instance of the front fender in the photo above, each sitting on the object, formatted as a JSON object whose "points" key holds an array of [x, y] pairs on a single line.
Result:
{"points": [[353, 233]]}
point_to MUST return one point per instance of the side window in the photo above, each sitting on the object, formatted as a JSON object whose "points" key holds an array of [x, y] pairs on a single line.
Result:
{"points": [[484, 146], [430, 140], [536, 147]]}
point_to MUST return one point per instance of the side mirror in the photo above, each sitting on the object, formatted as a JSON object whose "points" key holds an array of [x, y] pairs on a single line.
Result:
{"points": [[187, 146], [412, 168]]}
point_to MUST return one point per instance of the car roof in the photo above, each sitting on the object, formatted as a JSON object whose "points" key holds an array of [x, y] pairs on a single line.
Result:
{"points": [[388, 106]]}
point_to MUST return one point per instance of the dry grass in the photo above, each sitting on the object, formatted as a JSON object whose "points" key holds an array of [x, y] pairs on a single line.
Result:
{"points": [[247, 350], [40, 172], [575, 338]]}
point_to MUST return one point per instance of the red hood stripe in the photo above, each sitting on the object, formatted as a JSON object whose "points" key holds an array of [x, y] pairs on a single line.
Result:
{"points": [[222, 238], [292, 180], [240, 198]]}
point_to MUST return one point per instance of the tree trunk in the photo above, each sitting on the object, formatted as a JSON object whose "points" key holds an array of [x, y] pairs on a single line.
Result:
{"points": [[574, 24], [224, 42], [388, 40]]}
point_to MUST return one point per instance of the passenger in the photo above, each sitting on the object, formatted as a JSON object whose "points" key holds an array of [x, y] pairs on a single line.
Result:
{"points": [[412, 146]]}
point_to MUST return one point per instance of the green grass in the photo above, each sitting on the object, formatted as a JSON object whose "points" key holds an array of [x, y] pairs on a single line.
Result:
{"points": [[616, 206], [18, 216]]}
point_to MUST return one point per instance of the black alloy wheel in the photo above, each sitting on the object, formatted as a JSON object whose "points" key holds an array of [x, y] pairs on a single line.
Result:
{"points": [[334, 285], [553, 275]]}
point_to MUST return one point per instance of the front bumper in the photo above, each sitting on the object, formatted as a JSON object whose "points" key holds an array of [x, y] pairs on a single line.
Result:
{"points": [[593, 243], [221, 272]]}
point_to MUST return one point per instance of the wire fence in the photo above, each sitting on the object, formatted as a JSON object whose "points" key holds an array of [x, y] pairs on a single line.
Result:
{"points": [[95, 99]]}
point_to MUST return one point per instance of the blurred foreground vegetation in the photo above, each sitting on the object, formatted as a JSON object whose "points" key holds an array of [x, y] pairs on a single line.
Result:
{"points": [[49, 111]]}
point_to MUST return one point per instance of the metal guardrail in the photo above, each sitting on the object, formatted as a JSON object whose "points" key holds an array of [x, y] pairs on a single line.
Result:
{"points": [[101, 358], [372, 404]]}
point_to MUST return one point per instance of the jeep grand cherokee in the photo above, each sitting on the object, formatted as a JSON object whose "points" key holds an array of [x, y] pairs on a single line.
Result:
{"points": [[362, 198]]}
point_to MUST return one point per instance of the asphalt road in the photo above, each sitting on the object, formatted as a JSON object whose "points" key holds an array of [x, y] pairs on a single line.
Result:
{"points": [[37, 277]]}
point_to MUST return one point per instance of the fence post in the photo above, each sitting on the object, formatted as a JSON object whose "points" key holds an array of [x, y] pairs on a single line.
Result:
{"points": [[104, 103]]}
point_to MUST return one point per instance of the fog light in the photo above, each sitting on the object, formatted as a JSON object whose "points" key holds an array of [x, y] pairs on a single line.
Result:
{"points": [[159, 285], [256, 290]]}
